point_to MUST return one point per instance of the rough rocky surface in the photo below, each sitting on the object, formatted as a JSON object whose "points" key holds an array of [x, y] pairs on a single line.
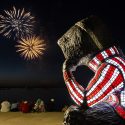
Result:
{"points": [[87, 36], [100, 114]]}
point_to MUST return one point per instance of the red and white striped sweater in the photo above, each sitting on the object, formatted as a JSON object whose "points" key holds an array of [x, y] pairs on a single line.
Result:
{"points": [[107, 85]]}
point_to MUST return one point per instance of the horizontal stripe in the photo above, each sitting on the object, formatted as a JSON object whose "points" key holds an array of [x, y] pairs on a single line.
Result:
{"points": [[115, 83], [119, 87], [116, 50], [122, 96], [102, 77], [80, 93], [93, 67], [105, 85], [112, 51], [108, 52], [116, 62], [96, 61], [121, 111], [96, 77], [74, 92], [73, 85], [72, 96], [74, 99], [104, 54]]}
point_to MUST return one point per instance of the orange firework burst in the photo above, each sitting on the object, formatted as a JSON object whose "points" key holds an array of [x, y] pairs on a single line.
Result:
{"points": [[31, 47]]}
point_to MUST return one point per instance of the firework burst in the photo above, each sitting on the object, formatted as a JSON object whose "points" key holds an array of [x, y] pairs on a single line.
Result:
{"points": [[31, 47], [16, 23]]}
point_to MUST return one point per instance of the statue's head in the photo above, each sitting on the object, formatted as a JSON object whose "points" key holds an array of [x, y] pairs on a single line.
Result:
{"points": [[88, 36]]}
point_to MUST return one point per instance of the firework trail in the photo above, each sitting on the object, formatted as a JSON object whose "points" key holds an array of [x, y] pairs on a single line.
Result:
{"points": [[31, 47], [16, 23]]}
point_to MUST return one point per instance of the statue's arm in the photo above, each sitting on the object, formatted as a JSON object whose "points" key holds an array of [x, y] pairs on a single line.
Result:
{"points": [[74, 88]]}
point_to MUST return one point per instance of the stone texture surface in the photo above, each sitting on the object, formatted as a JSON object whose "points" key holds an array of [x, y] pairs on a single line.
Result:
{"points": [[87, 36], [100, 114]]}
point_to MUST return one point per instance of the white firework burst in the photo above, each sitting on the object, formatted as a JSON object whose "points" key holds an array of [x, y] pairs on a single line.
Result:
{"points": [[16, 23]]}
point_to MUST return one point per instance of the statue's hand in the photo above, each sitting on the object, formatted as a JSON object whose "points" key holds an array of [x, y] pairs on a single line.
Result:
{"points": [[69, 66]]}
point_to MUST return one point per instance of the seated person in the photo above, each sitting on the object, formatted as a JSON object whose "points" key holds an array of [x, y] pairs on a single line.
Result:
{"points": [[89, 43], [5, 106], [39, 106]]}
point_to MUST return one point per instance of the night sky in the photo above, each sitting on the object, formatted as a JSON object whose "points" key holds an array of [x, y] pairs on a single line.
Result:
{"points": [[54, 18]]}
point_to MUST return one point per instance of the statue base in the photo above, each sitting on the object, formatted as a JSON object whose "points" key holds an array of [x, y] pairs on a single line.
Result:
{"points": [[100, 114]]}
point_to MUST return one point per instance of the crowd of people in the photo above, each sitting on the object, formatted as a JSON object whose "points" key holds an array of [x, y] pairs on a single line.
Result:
{"points": [[26, 106]]}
